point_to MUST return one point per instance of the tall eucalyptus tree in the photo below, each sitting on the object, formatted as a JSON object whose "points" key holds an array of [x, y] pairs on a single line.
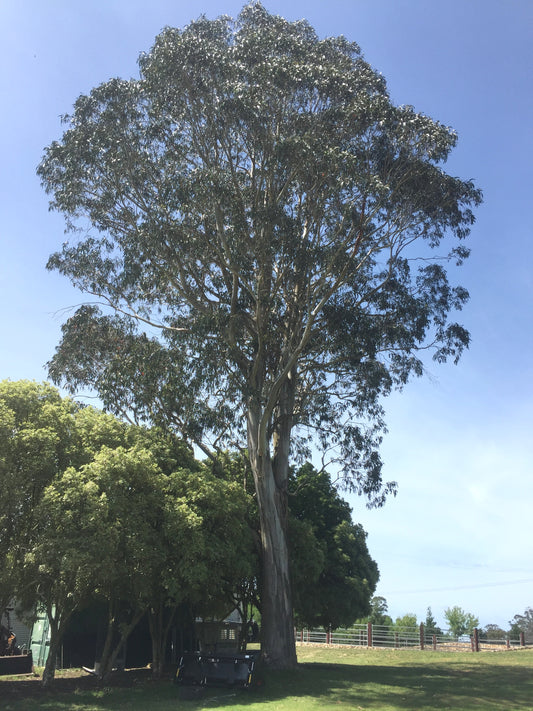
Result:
{"points": [[252, 208]]}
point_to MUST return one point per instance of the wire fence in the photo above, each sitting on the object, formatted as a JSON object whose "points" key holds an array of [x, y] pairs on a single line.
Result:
{"points": [[369, 635]]}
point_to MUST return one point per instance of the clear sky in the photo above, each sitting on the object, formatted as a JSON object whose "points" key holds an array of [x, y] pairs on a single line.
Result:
{"points": [[460, 442]]}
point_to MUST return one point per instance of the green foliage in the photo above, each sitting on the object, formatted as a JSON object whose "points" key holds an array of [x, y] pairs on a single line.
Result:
{"points": [[261, 220], [523, 623], [36, 442], [333, 573], [430, 624], [227, 546], [460, 622], [378, 612], [493, 633], [256, 196], [97, 509], [405, 624]]}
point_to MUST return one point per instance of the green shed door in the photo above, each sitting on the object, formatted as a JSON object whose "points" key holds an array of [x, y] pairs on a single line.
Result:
{"points": [[40, 640]]}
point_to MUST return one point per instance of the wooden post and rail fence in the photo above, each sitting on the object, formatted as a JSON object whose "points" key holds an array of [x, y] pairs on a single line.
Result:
{"points": [[370, 636]]}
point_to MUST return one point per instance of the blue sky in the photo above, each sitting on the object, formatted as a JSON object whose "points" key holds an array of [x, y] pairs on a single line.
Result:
{"points": [[459, 443]]}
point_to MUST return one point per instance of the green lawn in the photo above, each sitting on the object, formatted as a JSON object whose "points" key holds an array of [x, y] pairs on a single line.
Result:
{"points": [[327, 679]]}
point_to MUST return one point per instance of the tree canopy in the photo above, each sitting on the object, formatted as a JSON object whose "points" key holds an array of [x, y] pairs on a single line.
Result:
{"points": [[430, 624], [261, 218], [99, 510], [379, 610], [523, 623], [36, 444], [334, 576], [460, 622]]}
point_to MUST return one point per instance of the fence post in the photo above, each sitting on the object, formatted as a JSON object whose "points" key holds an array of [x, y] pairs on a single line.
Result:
{"points": [[369, 634], [435, 642], [328, 636], [508, 643], [421, 635], [522, 639], [475, 640]]}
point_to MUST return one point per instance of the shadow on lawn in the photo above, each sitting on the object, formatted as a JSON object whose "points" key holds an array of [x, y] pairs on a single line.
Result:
{"points": [[30, 687], [436, 686]]}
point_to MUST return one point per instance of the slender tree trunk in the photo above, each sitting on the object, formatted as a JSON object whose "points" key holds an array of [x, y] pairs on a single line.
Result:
{"points": [[277, 624], [108, 661], [57, 629], [50, 666], [243, 608], [108, 642], [159, 629], [155, 623]]}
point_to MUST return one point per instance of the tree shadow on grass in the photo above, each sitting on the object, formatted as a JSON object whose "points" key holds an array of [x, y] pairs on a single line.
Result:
{"points": [[28, 689], [436, 686]]}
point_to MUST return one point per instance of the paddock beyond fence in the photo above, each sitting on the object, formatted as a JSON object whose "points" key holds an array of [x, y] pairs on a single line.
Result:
{"points": [[369, 635]]}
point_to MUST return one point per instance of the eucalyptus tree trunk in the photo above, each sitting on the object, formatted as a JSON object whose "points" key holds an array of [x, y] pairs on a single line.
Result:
{"points": [[271, 479]]}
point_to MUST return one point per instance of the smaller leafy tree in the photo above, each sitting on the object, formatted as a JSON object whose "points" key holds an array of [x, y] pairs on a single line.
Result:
{"points": [[378, 612], [406, 625], [523, 623], [36, 443], [335, 576], [460, 622], [132, 484], [493, 633], [96, 535], [308, 559], [430, 624], [227, 556], [58, 574]]}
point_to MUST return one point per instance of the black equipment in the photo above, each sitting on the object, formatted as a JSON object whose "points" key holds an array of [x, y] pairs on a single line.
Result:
{"points": [[213, 669]]}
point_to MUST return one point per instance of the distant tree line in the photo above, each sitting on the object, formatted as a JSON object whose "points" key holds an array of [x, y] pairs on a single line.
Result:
{"points": [[459, 622]]}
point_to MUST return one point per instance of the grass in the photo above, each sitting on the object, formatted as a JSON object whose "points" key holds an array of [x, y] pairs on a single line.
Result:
{"points": [[327, 679]]}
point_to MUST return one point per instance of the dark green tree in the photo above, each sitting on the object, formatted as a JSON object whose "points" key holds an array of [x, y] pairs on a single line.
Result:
{"points": [[378, 612], [523, 623], [335, 576], [493, 633], [430, 624], [261, 218]]}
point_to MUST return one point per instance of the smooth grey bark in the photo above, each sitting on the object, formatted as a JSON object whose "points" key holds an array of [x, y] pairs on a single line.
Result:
{"points": [[271, 482]]}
